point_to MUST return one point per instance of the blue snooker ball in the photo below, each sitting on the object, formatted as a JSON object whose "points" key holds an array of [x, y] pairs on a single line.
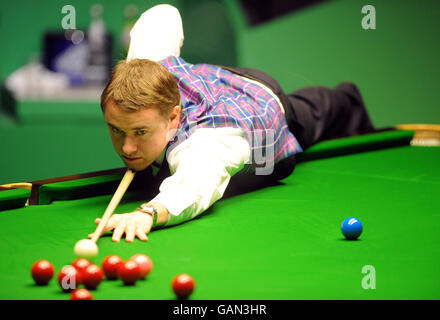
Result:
{"points": [[351, 228]]}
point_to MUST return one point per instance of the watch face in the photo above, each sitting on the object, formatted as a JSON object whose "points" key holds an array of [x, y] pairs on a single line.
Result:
{"points": [[147, 208]]}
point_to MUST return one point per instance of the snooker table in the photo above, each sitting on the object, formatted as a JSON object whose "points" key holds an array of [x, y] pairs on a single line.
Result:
{"points": [[281, 242]]}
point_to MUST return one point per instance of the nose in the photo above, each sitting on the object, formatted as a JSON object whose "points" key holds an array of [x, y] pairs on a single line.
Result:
{"points": [[129, 147]]}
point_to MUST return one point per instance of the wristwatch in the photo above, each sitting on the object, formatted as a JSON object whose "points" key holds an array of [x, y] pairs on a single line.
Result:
{"points": [[149, 209]]}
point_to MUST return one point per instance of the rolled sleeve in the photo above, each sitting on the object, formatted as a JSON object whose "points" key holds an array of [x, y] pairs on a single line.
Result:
{"points": [[157, 34]]}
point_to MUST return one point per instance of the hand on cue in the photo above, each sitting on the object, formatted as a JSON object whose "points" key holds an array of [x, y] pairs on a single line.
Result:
{"points": [[134, 224]]}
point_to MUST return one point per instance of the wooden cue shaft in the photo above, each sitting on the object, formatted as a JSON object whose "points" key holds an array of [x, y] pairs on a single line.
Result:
{"points": [[18, 185], [123, 185]]}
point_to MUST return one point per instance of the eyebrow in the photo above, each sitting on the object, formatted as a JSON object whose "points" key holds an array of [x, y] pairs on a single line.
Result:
{"points": [[137, 128]]}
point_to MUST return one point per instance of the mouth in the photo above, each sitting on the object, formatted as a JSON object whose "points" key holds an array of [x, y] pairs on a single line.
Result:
{"points": [[131, 160]]}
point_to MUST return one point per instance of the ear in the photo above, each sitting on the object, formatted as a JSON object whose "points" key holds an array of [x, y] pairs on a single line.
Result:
{"points": [[175, 117]]}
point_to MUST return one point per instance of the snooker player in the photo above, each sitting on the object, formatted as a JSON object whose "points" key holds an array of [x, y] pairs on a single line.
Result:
{"points": [[208, 123]]}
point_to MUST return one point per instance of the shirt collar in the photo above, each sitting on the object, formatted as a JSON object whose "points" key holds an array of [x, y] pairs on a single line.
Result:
{"points": [[158, 162]]}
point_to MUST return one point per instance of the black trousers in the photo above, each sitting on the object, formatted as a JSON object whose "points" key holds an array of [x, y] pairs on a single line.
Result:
{"points": [[314, 114]]}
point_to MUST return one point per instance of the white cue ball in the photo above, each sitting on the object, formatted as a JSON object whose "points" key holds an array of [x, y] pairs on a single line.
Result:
{"points": [[86, 249]]}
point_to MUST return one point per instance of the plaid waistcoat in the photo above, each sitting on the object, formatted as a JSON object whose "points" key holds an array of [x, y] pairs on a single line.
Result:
{"points": [[214, 98]]}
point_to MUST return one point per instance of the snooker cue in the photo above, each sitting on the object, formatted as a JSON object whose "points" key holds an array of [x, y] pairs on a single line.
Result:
{"points": [[123, 185], [18, 185]]}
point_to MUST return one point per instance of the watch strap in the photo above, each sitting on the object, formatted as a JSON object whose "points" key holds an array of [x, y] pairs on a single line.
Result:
{"points": [[151, 210]]}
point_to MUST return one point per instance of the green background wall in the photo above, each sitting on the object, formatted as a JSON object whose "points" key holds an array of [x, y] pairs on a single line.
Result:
{"points": [[395, 66]]}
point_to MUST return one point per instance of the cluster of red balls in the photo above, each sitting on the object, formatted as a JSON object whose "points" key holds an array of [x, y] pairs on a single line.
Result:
{"points": [[84, 272]]}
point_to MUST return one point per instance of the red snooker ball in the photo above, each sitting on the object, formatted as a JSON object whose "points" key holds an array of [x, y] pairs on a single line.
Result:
{"points": [[183, 286], [92, 277], [42, 271], [81, 264], [110, 265], [129, 272], [69, 278], [144, 263], [81, 294]]}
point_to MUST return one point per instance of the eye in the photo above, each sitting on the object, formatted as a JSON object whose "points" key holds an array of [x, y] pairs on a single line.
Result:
{"points": [[141, 132], [116, 130]]}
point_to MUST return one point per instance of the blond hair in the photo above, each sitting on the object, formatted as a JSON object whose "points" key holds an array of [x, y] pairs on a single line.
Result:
{"points": [[141, 83]]}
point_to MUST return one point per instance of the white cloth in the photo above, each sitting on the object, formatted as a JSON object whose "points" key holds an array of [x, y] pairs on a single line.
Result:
{"points": [[157, 34], [202, 165]]}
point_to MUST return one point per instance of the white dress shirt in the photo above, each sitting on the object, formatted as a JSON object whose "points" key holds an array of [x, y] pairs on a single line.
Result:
{"points": [[202, 165]]}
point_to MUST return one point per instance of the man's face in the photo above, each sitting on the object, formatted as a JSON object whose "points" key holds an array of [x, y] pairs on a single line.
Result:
{"points": [[139, 136]]}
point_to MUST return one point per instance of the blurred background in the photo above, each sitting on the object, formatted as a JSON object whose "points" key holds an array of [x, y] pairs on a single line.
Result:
{"points": [[51, 80]]}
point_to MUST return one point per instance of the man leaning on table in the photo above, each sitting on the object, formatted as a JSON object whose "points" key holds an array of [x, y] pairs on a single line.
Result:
{"points": [[208, 123]]}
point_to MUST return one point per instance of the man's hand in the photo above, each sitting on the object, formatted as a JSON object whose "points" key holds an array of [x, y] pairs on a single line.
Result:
{"points": [[133, 224]]}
